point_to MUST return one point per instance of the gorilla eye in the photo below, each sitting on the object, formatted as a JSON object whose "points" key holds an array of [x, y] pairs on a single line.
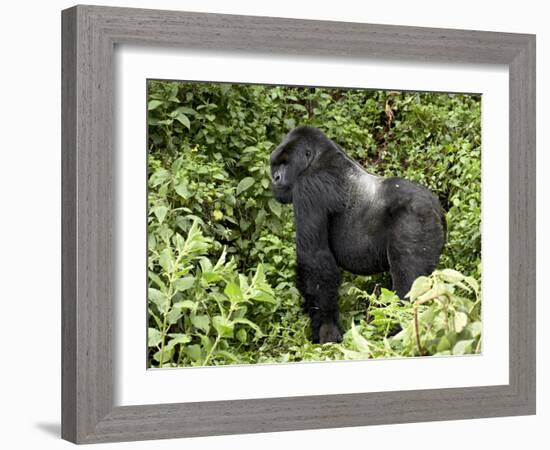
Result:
{"points": [[308, 153]]}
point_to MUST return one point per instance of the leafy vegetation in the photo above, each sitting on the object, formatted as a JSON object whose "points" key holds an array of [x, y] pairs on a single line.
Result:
{"points": [[221, 250]]}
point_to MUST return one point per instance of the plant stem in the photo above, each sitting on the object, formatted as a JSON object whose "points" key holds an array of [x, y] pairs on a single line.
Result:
{"points": [[216, 342], [169, 295], [163, 334], [218, 337], [416, 331], [478, 346]]}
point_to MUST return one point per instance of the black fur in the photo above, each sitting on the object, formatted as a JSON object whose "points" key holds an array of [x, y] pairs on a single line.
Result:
{"points": [[347, 218]]}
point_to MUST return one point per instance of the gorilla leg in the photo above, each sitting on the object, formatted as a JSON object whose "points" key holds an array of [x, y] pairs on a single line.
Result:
{"points": [[402, 278], [407, 262], [414, 245], [318, 278]]}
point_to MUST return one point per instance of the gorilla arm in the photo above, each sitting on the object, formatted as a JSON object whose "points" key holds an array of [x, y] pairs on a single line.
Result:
{"points": [[317, 274]]}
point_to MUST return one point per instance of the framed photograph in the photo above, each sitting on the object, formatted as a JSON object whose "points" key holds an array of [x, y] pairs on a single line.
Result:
{"points": [[279, 224]]}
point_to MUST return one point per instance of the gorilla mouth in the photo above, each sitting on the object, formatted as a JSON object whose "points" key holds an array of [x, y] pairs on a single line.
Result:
{"points": [[282, 194]]}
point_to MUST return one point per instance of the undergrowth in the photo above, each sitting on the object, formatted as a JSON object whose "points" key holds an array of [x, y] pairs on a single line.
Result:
{"points": [[221, 249]]}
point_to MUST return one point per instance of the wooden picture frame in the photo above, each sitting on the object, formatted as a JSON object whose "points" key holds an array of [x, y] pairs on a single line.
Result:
{"points": [[89, 35]]}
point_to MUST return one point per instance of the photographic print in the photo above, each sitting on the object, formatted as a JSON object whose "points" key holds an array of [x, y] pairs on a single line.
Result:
{"points": [[290, 224], [240, 274]]}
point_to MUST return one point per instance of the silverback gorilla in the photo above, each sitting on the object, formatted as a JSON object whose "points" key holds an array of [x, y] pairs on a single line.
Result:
{"points": [[347, 218]]}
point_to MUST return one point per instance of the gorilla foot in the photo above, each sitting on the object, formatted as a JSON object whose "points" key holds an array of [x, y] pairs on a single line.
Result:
{"points": [[329, 332]]}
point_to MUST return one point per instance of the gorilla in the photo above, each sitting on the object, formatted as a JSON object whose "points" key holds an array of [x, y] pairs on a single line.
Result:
{"points": [[347, 218]]}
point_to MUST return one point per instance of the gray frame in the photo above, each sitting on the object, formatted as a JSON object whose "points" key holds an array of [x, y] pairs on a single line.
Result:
{"points": [[89, 34]]}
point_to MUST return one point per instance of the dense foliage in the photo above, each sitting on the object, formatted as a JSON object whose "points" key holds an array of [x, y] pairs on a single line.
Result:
{"points": [[221, 249]]}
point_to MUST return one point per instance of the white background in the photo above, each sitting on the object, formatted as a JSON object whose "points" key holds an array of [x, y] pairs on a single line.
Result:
{"points": [[30, 225], [134, 385]]}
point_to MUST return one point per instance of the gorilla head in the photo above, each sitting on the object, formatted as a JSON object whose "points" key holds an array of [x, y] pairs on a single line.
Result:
{"points": [[299, 152]]}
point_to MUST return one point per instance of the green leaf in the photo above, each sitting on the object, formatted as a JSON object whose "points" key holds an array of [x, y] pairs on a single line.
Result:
{"points": [[451, 276], [475, 329], [353, 355], [202, 322], [438, 290], [160, 299], [211, 277], [443, 345], [224, 327], [160, 212], [260, 217], [426, 316], [221, 259], [463, 347], [242, 335], [151, 242], [251, 324], [275, 207], [233, 292], [360, 342], [187, 110], [165, 233], [405, 334], [182, 284], [259, 275], [206, 343], [460, 321], [178, 339], [164, 354], [263, 296], [194, 352], [181, 190], [174, 315], [166, 260], [420, 286], [182, 118], [153, 104], [206, 265], [153, 121], [156, 279], [244, 184], [243, 283], [159, 176], [154, 337], [186, 304], [387, 296], [473, 283], [228, 356], [179, 242], [461, 285]]}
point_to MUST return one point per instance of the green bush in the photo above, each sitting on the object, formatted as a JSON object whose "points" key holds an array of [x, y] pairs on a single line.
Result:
{"points": [[221, 250]]}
